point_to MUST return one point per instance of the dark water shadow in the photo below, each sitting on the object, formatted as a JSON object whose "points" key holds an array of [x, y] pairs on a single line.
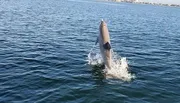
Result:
{"points": [[98, 74]]}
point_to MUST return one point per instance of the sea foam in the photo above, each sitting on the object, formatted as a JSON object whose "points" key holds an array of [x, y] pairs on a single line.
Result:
{"points": [[119, 69]]}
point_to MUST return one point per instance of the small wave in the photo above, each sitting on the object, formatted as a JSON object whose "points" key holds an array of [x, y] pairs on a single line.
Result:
{"points": [[119, 70]]}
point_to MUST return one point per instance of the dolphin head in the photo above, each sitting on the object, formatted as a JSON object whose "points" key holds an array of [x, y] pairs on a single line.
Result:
{"points": [[103, 23]]}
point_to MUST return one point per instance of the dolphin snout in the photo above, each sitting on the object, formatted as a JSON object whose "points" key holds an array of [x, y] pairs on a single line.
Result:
{"points": [[103, 23]]}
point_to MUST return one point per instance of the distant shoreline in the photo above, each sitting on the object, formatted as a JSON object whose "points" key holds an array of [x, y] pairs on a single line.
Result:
{"points": [[134, 1], [159, 4]]}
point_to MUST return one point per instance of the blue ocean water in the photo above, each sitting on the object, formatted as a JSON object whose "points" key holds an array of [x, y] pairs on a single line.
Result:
{"points": [[44, 46]]}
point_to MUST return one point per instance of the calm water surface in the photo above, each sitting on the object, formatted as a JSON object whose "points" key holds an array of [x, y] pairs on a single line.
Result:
{"points": [[44, 46]]}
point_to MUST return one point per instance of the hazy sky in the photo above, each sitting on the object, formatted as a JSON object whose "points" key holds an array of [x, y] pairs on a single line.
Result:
{"points": [[164, 1]]}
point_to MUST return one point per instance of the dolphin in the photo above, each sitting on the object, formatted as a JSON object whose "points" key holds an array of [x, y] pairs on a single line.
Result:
{"points": [[104, 44]]}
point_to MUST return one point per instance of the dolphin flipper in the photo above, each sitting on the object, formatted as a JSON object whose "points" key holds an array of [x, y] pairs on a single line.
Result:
{"points": [[97, 40], [107, 46]]}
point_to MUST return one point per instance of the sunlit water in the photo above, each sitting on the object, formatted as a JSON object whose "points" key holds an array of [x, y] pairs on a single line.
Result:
{"points": [[44, 47]]}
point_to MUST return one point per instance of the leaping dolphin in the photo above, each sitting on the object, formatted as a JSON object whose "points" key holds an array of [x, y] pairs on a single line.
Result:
{"points": [[104, 44]]}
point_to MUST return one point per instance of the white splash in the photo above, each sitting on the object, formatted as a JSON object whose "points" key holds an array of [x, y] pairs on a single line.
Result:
{"points": [[119, 68]]}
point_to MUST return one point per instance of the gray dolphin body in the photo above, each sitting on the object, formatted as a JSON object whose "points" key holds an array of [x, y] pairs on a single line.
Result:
{"points": [[104, 44]]}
